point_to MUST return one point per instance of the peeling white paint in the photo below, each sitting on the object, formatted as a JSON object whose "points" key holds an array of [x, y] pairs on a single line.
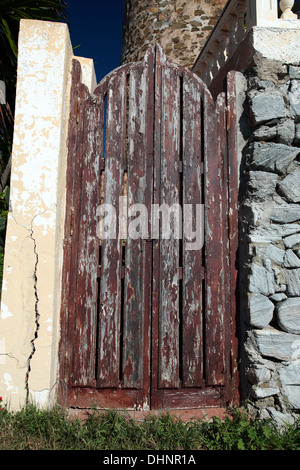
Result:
{"points": [[49, 327], [5, 313], [39, 398], [8, 384]]}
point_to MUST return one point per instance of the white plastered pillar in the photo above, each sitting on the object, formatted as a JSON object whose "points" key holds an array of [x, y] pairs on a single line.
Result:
{"points": [[261, 12], [264, 13], [30, 307]]}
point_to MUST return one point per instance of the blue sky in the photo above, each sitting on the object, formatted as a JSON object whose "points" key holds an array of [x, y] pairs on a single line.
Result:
{"points": [[97, 26]]}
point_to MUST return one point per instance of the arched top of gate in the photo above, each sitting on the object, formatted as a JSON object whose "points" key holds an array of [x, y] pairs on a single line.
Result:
{"points": [[154, 57]]}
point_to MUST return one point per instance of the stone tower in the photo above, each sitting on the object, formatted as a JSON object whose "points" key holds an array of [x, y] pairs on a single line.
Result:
{"points": [[181, 27]]}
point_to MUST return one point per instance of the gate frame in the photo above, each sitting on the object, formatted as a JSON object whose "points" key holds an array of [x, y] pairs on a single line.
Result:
{"points": [[231, 390]]}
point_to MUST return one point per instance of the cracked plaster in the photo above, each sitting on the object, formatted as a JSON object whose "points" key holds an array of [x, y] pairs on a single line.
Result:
{"points": [[29, 318]]}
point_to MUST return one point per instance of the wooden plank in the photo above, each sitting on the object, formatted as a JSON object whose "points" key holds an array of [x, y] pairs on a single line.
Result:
{"points": [[88, 253], [169, 238], [65, 360], [137, 300], [185, 398], [83, 397], [111, 261], [159, 63], [233, 232], [193, 273], [215, 207], [224, 325], [78, 188]]}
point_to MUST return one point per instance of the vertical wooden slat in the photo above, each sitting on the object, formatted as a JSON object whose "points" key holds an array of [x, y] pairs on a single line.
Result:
{"points": [[169, 247], [137, 303], [225, 334], [192, 341], [111, 262], [88, 253], [233, 232], [75, 223], [215, 207], [159, 64], [65, 352]]}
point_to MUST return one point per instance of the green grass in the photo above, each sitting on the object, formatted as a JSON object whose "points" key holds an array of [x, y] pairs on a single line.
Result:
{"points": [[36, 429]]}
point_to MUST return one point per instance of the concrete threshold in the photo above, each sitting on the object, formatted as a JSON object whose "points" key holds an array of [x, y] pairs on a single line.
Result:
{"points": [[186, 415]]}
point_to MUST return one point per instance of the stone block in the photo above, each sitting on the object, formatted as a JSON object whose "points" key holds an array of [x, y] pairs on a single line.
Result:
{"points": [[293, 241], [290, 380], [262, 182], [292, 278], [288, 315], [265, 107], [285, 213], [260, 311], [271, 157], [277, 344], [259, 209], [258, 375], [297, 134], [286, 132], [292, 393], [263, 392], [265, 133], [291, 260], [281, 419], [294, 96], [261, 281], [274, 233], [275, 254], [278, 297], [290, 187], [290, 374], [294, 72]]}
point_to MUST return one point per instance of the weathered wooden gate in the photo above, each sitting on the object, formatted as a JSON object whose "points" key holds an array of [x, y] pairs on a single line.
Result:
{"points": [[148, 320]]}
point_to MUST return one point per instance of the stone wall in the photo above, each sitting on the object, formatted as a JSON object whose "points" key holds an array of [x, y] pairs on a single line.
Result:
{"points": [[181, 27], [270, 241]]}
